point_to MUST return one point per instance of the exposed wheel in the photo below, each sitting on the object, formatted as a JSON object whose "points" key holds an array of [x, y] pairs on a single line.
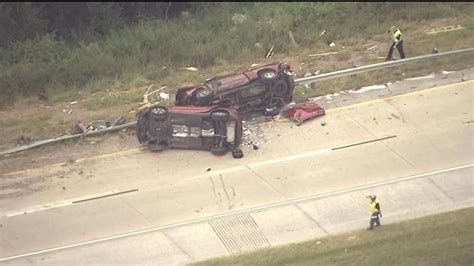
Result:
{"points": [[203, 94], [220, 116], [280, 88], [267, 74], [219, 150], [159, 112], [142, 129]]}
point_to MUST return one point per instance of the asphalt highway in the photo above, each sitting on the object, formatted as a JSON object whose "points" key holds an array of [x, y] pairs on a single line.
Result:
{"points": [[181, 206]]}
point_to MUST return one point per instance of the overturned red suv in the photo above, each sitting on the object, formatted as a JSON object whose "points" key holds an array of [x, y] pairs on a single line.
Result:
{"points": [[206, 128], [259, 90]]}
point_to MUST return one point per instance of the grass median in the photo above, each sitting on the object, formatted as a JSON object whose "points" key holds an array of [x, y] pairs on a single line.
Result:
{"points": [[441, 239]]}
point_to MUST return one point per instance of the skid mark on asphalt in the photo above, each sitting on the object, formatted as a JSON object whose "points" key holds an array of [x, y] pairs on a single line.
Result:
{"points": [[230, 200], [218, 199]]}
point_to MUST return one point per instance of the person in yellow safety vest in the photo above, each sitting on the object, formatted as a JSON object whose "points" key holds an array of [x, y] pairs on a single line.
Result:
{"points": [[396, 35], [375, 212]]}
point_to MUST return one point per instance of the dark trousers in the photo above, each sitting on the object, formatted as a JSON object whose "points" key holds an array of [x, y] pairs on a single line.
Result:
{"points": [[374, 219], [399, 48]]}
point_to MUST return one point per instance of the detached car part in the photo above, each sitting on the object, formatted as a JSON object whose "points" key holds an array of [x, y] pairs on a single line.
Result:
{"points": [[268, 87], [188, 127], [301, 112]]}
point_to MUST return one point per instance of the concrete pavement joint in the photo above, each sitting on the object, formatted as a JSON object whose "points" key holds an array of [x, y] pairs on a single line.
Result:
{"points": [[441, 189], [265, 181], [178, 246], [392, 150], [312, 219], [226, 214]]}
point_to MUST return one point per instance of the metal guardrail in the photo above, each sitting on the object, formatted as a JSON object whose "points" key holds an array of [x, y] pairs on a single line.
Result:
{"points": [[63, 138], [357, 70], [307, 80]]}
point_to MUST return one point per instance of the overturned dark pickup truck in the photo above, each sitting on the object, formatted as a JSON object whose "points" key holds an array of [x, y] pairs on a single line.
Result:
{"points": [[205, 128], [263, 90]]}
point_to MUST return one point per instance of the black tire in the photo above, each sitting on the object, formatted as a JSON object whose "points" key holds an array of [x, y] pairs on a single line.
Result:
{"points": [[142, 129], [219, 150], [159, 112], [237, 154], [280, 88], [220, 116], [157, 147], [203, 94], [267, 74]]}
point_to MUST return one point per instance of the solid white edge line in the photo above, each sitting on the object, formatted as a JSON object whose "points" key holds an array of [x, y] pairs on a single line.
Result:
{"points": [[238, 212]]}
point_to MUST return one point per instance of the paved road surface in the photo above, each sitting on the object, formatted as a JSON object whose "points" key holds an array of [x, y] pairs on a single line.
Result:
{"points": [[427, 133]]}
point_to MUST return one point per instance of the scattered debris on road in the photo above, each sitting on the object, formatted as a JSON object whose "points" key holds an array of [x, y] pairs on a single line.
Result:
{"points": [[237, 154], [155, 95], [371, 48], [252, 132], [191, 69], [23, 140], [164, 95], [270, 52], [444, 29], [292, 38], [329, 53], [80, 128]]}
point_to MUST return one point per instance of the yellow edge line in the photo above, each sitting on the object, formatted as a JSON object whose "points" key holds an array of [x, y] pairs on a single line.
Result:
{"points": [[133, 150]]}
